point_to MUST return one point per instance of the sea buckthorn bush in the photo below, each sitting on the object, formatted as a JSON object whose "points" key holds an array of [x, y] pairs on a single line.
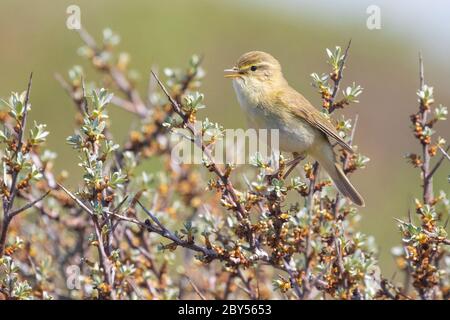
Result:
{"points": [[209, 231]]}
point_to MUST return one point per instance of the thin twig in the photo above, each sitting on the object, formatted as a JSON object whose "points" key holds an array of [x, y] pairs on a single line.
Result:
{"points": [[439, 162], [292, 277], [15, 175], [240, 211], [151, 215], [108, 269], [195, 288], [247, 283], [8, 201], [163, 231], [425, 167], [337, 82], [28, 205], [344, 166], [77, 201], [429, 234], [444, 152]]}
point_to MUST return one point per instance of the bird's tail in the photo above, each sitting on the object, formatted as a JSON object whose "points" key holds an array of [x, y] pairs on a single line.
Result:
{"points": [[327, 160]]}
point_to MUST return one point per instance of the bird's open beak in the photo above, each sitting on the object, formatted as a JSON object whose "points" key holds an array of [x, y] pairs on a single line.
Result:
{"points": [[232, 73]]}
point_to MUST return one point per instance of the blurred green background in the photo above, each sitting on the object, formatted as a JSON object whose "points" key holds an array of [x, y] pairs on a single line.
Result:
{"points": [[34, 37]]}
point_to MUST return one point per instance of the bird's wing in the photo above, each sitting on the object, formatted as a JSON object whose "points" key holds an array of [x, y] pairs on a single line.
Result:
{"points": [[302, 108]]}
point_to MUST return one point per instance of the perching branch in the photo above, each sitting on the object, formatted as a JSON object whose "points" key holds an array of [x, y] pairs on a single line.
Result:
{"points": [[427, 179], [15, 174], [28, 205], [444, 152], [8, 199], [231, 192], [337, 79]]}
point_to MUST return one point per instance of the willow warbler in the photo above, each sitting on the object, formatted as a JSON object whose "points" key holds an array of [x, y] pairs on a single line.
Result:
{"points": [[270, 103]]}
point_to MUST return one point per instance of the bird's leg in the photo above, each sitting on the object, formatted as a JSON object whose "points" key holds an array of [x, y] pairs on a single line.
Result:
{"points": [[293, 163], [290, 164]]}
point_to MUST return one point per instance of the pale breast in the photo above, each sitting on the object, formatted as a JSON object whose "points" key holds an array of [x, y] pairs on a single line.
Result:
{"points": [[295, 135]]}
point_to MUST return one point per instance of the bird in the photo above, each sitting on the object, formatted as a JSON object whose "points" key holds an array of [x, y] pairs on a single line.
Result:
{"points": [[271, 103]]}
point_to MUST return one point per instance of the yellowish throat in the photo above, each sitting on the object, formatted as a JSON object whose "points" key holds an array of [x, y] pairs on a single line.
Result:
{"points": [[270, 103]]}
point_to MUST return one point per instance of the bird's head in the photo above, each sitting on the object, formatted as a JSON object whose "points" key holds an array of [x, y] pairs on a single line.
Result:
{"points": [[256, 70]]}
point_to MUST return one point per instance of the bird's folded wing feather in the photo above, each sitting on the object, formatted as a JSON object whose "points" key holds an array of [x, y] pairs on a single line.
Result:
{"points": [[302, 108]]}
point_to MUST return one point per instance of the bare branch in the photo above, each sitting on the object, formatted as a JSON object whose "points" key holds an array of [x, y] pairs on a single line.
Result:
{"points": [[438, 164], [15, 175], [28, 205], [78, 201], [292, 277], [426, 174], [240, 210], [421, 72], [163, 231], [200, 294], [444, 152], [337, 82]]}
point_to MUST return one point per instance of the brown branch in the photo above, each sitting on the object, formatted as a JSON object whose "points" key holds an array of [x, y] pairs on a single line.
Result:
{"points": [[339, 258], [230, 191], [152, 86], [161, 230], [310, 204], [344, 165], [7, 218], [108, 270], [228, 284], [77, 201], [444, 152], [425, 167], [28, 205], [338, 79], [15, 175], [337, 82], [200, 294], [145, 253], [292, 277], [166, 233], [8, 201], [438, 164], [247, 284]]}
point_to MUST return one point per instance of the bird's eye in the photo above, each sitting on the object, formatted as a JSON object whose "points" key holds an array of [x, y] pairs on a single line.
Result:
{"points": [[253, 68]]}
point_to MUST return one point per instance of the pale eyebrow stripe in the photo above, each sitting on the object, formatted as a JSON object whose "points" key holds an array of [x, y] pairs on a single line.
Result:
{"points": [[259, 64]]}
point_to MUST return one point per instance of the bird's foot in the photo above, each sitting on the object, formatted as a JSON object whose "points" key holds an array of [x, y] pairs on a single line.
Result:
{"points": [[290, 165]]}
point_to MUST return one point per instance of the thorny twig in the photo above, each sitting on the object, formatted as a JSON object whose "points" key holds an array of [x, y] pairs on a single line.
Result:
{"points": [[423, 245], [444, 152], [8, 200], [196, 289], [427, 178], [337, 79], [105, 262], [231, 192]]}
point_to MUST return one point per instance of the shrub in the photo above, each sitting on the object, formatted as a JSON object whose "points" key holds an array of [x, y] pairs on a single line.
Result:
{"points": [[128, 234]]}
